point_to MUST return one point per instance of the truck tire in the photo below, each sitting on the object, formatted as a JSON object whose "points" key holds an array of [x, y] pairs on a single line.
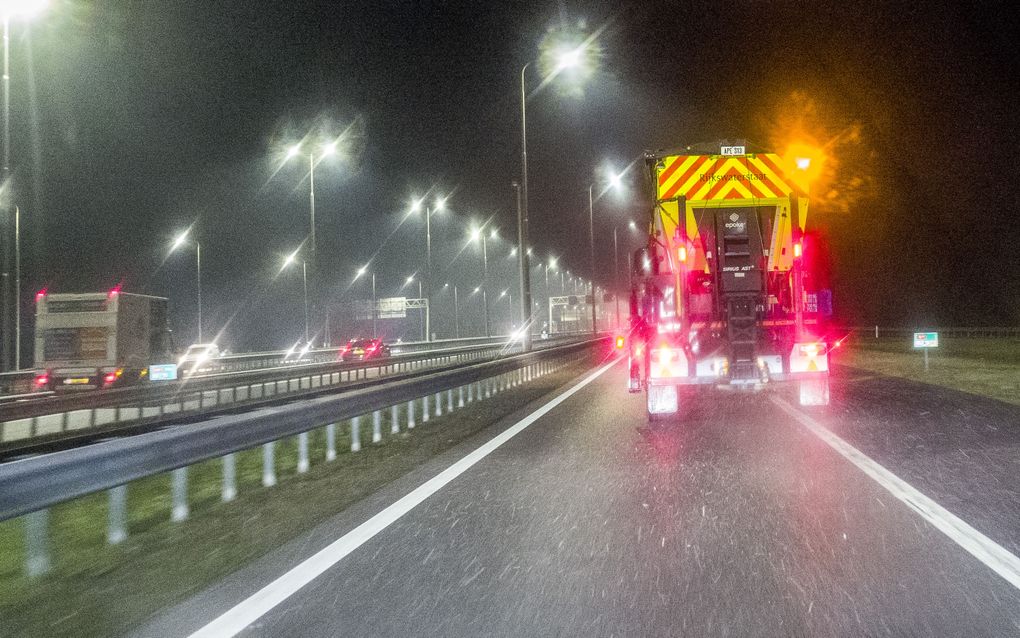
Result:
{"points": [[814, 392], [663, 401]]}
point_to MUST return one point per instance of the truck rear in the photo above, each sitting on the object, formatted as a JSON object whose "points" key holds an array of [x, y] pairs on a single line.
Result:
{"points": [[98, 340], [722, 295]]}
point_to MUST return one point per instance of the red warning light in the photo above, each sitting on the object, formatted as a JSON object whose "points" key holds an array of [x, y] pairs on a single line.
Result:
{"points": [[39, 296], [113, 292]]}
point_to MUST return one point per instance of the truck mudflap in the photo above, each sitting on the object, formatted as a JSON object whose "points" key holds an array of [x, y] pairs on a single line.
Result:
{"points": [[663, 400]]}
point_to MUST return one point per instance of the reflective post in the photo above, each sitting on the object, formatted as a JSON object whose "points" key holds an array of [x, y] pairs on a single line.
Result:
{"points": [[179, 488], [331, 442], [269, 464], [302, 447], [229, 491], [116, 530]]}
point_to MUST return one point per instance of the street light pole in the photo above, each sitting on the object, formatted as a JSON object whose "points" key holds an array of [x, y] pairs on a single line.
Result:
{"points": [[591, 253], [375, 310], [456, 313], [522, 223], [616, 276], [198, 277], [8, 302], [485, 283], [304, 284], [428, 273]]}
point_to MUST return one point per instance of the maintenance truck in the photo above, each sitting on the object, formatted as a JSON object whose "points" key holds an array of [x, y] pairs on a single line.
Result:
{"points": [[722, 296], [98, 340]]}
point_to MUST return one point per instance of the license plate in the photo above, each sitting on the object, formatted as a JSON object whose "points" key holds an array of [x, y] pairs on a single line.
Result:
{"points": [[359, 351], [76, 381]]}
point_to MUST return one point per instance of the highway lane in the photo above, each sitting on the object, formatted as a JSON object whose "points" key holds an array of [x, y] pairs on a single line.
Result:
{"points": [[735, 520]]}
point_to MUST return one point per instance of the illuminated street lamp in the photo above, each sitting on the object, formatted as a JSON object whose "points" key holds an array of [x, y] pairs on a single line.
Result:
{"points": [[362, 271], [567, 58], [24, 9], [290, 260], [437, 207], [180, 241], [325, 150], [456, 310], [478, 233], [615, 182]]}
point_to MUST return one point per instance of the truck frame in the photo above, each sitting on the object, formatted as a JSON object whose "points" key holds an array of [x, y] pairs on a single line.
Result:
{"points": [[721, 295]]}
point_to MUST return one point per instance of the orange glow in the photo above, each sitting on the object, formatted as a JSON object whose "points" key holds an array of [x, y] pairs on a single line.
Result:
{"points": [[620, 342], [681, 254], [798, 250], [804, 163]]}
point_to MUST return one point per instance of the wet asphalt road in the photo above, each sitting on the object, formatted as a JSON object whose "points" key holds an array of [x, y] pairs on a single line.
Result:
{"points": [[733, 520]]}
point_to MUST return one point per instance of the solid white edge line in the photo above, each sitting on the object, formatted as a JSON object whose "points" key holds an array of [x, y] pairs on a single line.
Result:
{"points": [[993, 555], [261, 602]]}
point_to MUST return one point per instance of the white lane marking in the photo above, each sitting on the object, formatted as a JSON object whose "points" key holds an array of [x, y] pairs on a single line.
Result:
{"points": [[993, 555], [258, 604]]}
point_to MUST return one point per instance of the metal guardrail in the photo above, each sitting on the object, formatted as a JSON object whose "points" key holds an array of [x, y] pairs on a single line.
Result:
{"points": [[20, 382], [878, 332], [79, 414], [30, 486]]}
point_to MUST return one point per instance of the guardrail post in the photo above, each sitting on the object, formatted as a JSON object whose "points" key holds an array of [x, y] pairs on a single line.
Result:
{"points": [[488, 388], [331, 442], [269, 464], [470, 392], [356, 434], [395, 419], [439, 404], [116, 519], [229, 491], [179, 489], [37, 544], [302, 452], [376, 426], [460, 397], [410, 414], [425, 409], [449, 400]]}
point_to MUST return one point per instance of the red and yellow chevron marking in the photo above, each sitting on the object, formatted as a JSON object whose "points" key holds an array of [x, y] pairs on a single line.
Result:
{"points": [[713, 177]]}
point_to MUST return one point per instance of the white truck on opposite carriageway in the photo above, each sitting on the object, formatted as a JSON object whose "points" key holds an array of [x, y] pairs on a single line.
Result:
{"points": [[98, 340]]}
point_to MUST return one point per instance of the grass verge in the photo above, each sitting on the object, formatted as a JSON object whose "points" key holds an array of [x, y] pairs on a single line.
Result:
{"points": [[988, 367], [95, 589]]}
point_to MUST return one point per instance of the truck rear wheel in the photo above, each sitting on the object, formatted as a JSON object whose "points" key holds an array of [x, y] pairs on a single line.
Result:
{"points": [[663, 401], [814, 392]]}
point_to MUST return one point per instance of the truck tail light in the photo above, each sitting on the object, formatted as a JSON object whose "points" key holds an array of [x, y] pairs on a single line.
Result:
{"points": [[111, 377], [668, 362], [798, 250], [41, 380], [681, 254], [809, 357]]}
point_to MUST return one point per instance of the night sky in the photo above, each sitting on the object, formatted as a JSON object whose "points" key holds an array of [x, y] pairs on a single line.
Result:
{"points": [[146, 117]]}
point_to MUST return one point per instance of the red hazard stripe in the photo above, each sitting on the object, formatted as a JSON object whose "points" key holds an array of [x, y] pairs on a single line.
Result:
{"points": [[684, 177], [669, 170], [767, 161], [720, 184], [705, 165]]}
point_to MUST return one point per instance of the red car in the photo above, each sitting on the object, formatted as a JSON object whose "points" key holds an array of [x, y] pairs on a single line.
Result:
{"points": [[362, 349]]}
